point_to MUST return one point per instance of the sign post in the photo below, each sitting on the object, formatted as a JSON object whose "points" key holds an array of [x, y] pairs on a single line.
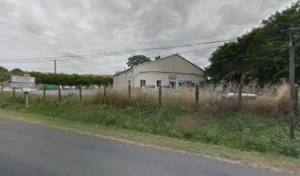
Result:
{"points": [[26, 83], [26, 99]]}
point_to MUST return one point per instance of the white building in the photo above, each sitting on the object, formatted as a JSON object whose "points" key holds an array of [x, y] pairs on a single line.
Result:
{"points": [[172, 71]]}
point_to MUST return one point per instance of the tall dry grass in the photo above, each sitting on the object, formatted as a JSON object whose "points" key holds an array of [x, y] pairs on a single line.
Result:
{"points": [[276, 101], [270, 100]]}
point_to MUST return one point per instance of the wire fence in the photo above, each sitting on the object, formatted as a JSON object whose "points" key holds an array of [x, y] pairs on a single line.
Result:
{"points": [[268, 101]]}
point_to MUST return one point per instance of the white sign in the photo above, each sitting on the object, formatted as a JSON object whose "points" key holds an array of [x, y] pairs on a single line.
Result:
{"points": [[25, 89], [22, 79], [22, 82]]}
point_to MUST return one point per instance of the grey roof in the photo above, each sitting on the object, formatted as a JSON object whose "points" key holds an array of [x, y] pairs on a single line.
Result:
{"points": [[158, 60], [168, 57], [121, 72], [189, 61]]}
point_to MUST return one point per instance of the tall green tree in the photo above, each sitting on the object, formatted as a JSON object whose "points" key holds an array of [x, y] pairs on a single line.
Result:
{"points": [[3, 69], [136, 60], [260, 55], [16, 70]]}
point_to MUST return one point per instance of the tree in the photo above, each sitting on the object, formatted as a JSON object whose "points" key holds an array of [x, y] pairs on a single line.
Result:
{"points": [[136, 60], [157, 57], [16, 70], [3, 69], [260, 55]]}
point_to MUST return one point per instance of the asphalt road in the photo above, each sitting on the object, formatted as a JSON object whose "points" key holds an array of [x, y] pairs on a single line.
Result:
{"points": [[33, 150]]}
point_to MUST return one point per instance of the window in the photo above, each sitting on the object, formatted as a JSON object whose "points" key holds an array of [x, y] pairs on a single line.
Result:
{"points": [[173, 85], [158, 83], [129, 82], [201, 83], [143, 83]]}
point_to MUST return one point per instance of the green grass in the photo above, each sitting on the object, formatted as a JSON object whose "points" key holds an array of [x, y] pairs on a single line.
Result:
{"points": [[243, 131]]}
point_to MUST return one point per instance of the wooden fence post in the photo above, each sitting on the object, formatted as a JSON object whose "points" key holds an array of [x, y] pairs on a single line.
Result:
{"points": [[14, 93], [80, 93], [240, 89], [294, 113], [2, 89], [159, 97], [104, 94], [129, 92], [44, 92], [197, 95], [296, 101], [59, 93]]}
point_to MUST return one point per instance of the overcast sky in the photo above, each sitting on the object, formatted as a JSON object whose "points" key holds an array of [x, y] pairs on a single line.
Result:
{"points": [[45, 28]]}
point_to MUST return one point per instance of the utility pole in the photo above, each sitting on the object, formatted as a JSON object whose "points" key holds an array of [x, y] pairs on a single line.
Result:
{"points": [[293, 92], [55, 66]]}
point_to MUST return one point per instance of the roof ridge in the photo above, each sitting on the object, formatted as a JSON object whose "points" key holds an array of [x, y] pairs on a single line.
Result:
{"points": [[176, 54]]}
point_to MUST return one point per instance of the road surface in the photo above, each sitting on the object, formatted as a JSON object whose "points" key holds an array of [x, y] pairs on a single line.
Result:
{"points": [[33, 150]]}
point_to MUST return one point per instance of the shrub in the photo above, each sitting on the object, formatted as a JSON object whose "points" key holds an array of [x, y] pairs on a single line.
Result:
{"points": [[289, 148]]}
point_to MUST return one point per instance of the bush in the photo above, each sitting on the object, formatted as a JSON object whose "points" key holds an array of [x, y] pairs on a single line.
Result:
{"points": [[62, 79], [289, 148], [212, 136], [256, 144]]}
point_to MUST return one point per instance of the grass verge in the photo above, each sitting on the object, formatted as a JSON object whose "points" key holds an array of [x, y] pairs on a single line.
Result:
{"points": [[267, 161], [228, 131]]}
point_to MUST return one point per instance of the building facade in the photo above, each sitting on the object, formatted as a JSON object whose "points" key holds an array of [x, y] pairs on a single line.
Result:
{"points": [[172, 71]]}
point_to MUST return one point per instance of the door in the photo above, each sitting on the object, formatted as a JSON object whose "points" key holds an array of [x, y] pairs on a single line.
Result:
{"points": [[173, 85]]}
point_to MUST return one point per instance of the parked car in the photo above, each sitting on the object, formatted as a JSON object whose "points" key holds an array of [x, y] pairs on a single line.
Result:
{"points": [[66, 87]]}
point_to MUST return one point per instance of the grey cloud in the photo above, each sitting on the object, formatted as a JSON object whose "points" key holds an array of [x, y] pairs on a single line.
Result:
{"points": [[248, 12], [7, 7], [163, 16], [33, 28], [39, 28]]}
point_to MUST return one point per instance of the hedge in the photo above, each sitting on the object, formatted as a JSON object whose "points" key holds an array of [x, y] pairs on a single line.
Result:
{"points": [[61, 79]]}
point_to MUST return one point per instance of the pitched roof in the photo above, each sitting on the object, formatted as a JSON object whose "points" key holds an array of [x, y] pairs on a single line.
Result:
{"points": [[121, 72], [168, 57], [189, 61], [159, 60], [99, 75]]}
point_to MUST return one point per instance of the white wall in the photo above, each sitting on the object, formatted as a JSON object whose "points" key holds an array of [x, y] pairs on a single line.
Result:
{"points": [[121, 80], [152, 77], [160, 70]]}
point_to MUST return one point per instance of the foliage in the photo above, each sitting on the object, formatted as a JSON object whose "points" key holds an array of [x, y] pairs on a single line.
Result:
{"points": [[136, 60], [3, 69], [4, 76], [62, 79], [16, 70], [260, 55], [157, 57]]}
